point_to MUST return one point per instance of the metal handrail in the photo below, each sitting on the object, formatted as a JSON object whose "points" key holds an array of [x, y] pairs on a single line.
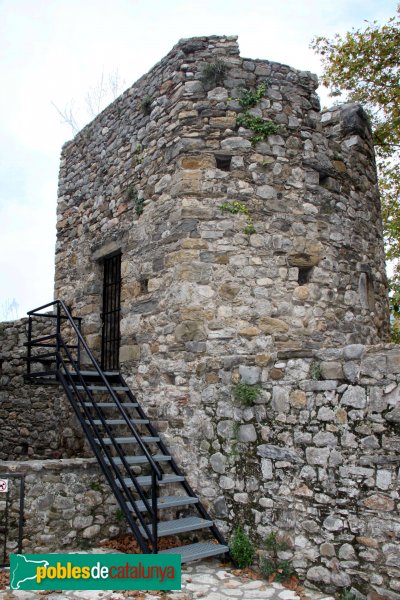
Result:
{"points": [[107, 428], [116, 473], [82, 341]]}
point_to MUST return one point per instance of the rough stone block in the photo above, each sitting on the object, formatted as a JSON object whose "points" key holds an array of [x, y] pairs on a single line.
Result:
{"points": [[280, 399], [317, 456], [218, 462], [266, 468], [249, 375], [247, 433], [354, 396], [278, 453]]}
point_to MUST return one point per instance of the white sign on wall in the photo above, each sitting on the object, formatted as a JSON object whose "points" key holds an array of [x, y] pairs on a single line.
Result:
{"points": [[3, 486]]}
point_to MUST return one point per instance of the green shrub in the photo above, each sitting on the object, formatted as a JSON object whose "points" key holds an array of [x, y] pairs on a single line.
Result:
{"points": [[241, 548], [239, 208], [235, 208], [315, 371], [272, 566], [249, 229], [262, 128], [146, 104], [214, 72], [119, 515], [132, 195], [345, 595], [249, 99], [246, 394], [280, 570]]}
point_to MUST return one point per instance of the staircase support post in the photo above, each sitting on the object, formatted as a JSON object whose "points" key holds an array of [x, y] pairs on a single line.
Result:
{"points": [[154, 490]]}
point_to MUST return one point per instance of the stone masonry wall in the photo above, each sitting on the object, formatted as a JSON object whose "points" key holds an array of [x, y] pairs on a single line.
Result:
{"points": [[316, 457], [36, 421], [312, 274], [68, 505]]}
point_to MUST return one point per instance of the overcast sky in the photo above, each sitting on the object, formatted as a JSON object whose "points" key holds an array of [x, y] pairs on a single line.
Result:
{"points": [[56, 50]]}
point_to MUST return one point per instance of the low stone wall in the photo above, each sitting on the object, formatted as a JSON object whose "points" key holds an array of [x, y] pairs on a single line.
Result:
{"points": [[35, 421], [315, 458], [68, 505]]}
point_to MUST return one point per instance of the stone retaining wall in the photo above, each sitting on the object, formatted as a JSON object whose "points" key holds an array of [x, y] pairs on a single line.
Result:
{"points": [[316, 458], [36, 421], [68, 505]]}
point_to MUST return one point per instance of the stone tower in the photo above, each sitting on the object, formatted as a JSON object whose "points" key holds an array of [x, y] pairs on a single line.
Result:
{"points": [[214, 229], [148, 176]]}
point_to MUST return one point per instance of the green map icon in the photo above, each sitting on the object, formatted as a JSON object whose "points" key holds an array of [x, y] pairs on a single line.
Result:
{"points": [[23, 569]]}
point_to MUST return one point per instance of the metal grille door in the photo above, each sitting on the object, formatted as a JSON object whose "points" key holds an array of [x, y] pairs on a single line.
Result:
{"points": [[111, 313]]}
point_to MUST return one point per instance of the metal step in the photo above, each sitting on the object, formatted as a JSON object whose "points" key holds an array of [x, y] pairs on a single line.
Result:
{"points": [[120, 421], [101, 388], [186, 524], [40, 357], [146, 480], [111, 404], [197, 551], [167, 502], [147, 439], [96, 374], [140, 460]]}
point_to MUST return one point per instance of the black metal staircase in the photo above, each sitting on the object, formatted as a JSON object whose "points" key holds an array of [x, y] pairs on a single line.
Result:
{"points": [[132, 456]]}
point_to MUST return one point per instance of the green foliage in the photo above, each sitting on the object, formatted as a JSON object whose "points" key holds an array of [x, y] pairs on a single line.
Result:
{"points": [[119, 515], [137, 154], [246, 394], [132, 195], [249, 99], [95, 485], [146, 104], [363, 64], [235, 208], [249, 229], [214, 73], [394, 299], [262, 127], [389, 183], [272, 543], [241, 548], [315, 371], [345, 595], [280, 570], [239, 208], [139, 206]]}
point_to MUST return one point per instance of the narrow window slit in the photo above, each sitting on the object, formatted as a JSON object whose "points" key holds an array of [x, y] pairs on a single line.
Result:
{"points": [[223, 162], [323, 179], [304, 275], [144, 286]]}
